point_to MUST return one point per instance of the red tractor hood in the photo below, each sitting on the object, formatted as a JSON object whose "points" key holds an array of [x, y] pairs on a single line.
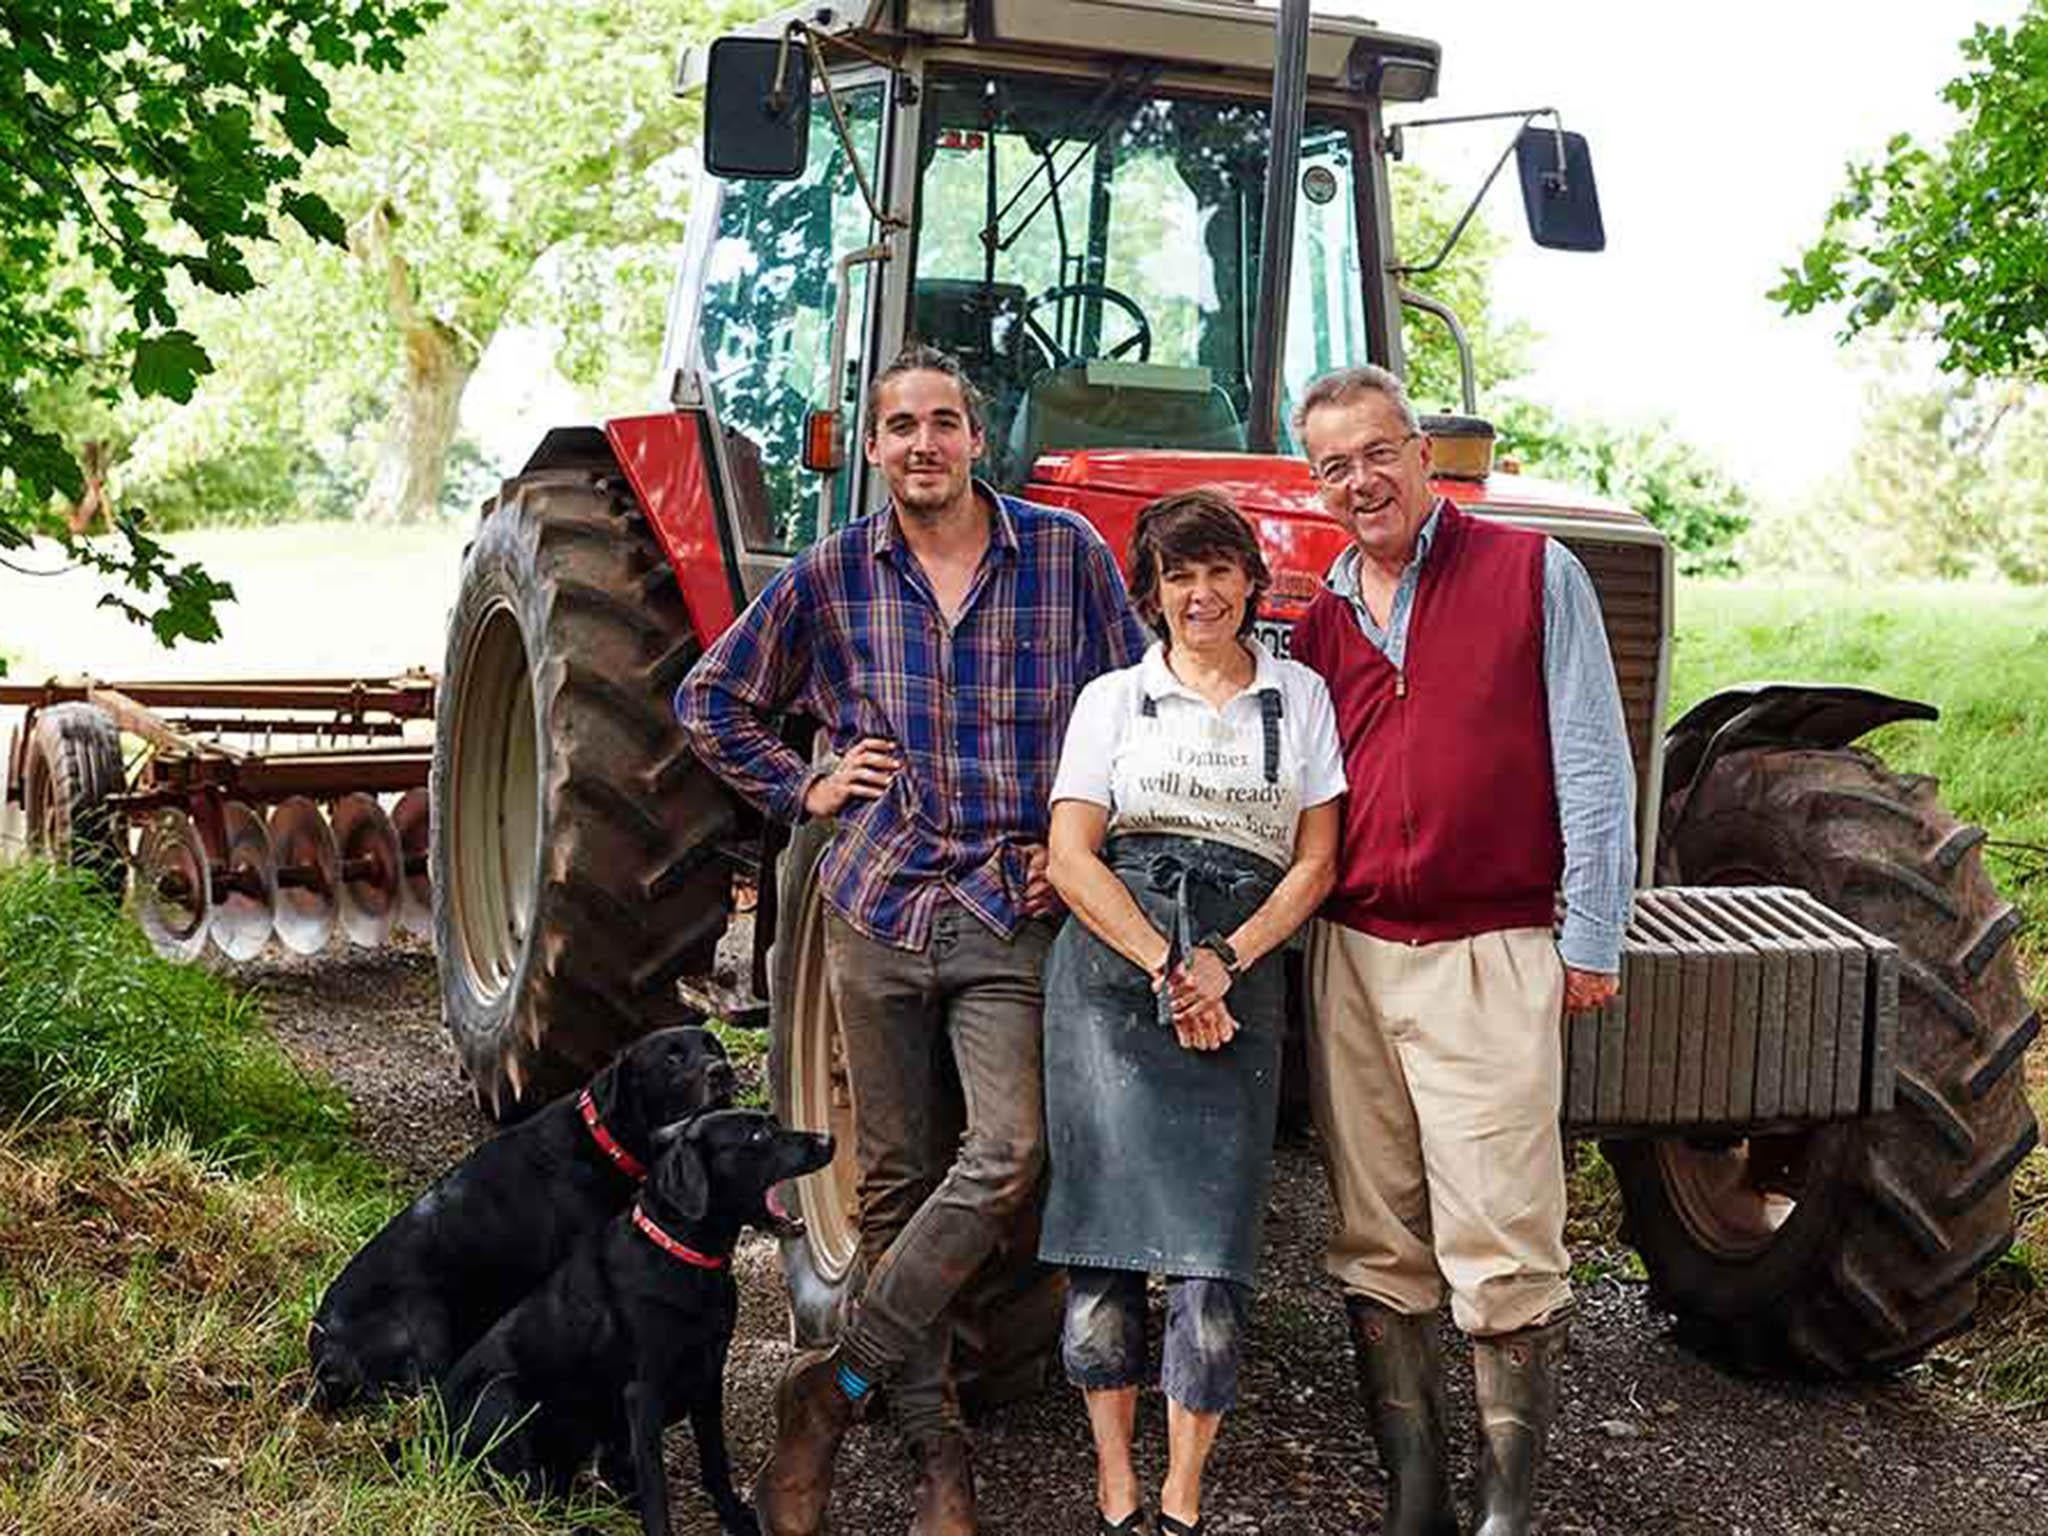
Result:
{"points": [[1110, 486]]}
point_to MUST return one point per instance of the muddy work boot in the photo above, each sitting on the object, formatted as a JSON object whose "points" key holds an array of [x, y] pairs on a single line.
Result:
{"points": [[1400, 1380], [1516, 1378], [812, 1415], [945, 1487]]}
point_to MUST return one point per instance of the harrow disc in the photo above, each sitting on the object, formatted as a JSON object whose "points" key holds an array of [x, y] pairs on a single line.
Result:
{"points": [[173, 885], [372, 869], [416, 897], [308, 875], [245, 889]]}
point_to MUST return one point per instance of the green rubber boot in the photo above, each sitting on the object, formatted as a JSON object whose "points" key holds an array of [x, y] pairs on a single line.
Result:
{"points": [[1401, 1382], [1516, 1378]]}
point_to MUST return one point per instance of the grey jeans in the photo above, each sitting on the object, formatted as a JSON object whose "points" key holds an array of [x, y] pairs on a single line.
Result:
{"points": [[1103, 1342], [935, 1200]]}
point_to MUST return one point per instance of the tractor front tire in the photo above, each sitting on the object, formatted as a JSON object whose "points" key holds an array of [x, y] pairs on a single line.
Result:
{"points": [[575, 867], [1854, 1247], [1007, 1321], [73, 764]]}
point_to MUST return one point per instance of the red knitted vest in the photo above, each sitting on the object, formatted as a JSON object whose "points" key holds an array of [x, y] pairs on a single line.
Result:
{"points": [[1450, 824]]}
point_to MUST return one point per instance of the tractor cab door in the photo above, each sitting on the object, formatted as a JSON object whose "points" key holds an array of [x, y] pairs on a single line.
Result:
{"points": [[753, 325]]}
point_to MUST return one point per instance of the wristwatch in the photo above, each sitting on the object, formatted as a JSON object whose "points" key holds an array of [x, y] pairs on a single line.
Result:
{"points": [[1220, 947]]}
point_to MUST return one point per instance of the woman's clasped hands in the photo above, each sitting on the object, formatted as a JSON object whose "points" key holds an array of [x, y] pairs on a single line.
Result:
{"points": [[1196, 987]]}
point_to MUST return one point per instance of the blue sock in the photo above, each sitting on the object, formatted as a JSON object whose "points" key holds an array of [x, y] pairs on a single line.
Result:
{"points": [[853, 1384]]}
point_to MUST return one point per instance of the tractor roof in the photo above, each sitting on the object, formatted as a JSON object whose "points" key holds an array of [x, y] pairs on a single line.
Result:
{"points": [[1228, 37]]}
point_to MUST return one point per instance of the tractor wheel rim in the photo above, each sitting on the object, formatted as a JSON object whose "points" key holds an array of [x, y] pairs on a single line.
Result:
{"points": [[495, 803], [1729, 1204], [821, 1099]]}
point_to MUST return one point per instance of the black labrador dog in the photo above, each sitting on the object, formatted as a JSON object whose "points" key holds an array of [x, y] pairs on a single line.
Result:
{"points": [[632, 1331], [494, 1226]]}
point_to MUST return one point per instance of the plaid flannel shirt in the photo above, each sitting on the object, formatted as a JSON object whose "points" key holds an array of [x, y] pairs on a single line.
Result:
{"points": [[850, 634]]}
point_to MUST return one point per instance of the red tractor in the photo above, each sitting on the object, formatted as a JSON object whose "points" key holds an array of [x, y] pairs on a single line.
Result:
{"points": [[1143, 236]]}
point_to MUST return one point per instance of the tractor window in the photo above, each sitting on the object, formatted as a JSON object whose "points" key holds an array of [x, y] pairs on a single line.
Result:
{"points": [[766, 326], [1090, 251]]}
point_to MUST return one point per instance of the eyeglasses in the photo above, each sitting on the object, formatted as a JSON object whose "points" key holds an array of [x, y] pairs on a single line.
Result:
{"points": [[1348, 469]]}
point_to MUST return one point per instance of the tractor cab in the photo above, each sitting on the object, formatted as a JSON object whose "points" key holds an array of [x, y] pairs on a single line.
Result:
{"points": [[1067, 195]]}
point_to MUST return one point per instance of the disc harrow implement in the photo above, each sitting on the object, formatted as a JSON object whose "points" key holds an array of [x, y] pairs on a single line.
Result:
{"points": [[245, 810]]}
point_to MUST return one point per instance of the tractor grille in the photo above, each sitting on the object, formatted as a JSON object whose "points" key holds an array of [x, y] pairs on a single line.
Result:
{"points": [[1630, 578], [1740, 1007]]}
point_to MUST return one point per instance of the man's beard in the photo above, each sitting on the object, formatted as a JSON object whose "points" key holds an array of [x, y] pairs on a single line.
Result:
{"points": [[927, 505]]}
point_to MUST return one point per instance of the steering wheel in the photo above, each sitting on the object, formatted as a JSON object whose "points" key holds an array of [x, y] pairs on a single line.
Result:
{"points": [[1057, 353]]}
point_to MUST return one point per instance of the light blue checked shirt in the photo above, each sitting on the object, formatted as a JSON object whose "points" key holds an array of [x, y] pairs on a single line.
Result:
{"points": [[1589, 754]]}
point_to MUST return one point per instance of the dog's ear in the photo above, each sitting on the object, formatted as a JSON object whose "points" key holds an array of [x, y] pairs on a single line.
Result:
{"points": [[684, 1182], [665, 1136]]}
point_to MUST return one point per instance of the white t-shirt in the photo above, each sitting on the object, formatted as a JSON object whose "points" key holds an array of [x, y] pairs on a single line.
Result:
{"points": [[1194, 770]]}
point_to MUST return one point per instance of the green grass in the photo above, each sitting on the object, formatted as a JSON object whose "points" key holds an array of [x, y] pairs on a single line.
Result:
{"points": [[94, 1025], [174, 1197]]}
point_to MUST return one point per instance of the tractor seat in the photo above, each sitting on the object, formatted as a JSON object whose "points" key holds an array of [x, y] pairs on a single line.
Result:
{"points": [[1124, 405]]}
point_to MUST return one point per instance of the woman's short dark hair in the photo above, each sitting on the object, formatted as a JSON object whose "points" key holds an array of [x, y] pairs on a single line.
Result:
{"points": [[1201, 524]]}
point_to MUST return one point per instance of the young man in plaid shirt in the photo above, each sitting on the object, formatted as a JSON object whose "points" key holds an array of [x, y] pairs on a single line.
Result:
{"points": [[941, 643]]}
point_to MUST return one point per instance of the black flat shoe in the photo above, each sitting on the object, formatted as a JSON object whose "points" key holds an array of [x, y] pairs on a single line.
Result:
{"points": [[1168, 1526], [1132, 1524]]}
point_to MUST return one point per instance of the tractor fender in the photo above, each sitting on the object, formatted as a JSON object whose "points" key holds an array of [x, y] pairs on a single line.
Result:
{"points": [[666, 458], [1825, 716]]}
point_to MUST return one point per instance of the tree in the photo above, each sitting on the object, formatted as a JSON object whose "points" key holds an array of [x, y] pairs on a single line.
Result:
{"points": [[1649, 467], [1945, 483], [525, 169], [148, 149], [1952, 240]]}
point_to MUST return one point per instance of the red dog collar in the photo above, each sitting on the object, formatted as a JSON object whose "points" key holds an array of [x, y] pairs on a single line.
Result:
{"points": [[670, 1246], [623, 1160]]}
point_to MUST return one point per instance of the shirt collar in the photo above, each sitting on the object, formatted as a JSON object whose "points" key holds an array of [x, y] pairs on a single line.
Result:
{"points": [[1342, 577], [1156, 678], [885, 534]]}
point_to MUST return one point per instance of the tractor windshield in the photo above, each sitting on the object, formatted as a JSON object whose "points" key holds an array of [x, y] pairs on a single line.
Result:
{"points": [[1090, 251]]}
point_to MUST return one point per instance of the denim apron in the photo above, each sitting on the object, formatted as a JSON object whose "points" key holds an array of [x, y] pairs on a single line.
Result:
{"points": [[1160, 1155]]}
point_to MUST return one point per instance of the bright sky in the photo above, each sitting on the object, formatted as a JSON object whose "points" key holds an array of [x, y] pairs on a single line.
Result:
{"points": [[1719, 135]]}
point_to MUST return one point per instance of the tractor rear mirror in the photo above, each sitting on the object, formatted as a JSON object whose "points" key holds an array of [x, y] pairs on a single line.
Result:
{"points": [[757, 108], [1557, 190]]}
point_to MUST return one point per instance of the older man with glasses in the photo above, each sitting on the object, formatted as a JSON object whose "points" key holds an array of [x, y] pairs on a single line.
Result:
{"points": [[1488, 768]]}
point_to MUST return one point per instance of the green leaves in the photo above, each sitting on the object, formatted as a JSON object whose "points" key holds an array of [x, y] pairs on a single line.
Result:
{"points": [[147, 145], [1951, 240], [169, 364], [311, 212]]}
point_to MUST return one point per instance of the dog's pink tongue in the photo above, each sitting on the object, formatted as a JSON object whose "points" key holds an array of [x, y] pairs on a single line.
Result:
{"points": [[774, 1203]]}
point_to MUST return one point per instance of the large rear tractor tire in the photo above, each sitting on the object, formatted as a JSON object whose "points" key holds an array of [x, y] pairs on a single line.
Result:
{"points": [[575, 868], [1007, 1322], [1854, 1247], [73, 765]]}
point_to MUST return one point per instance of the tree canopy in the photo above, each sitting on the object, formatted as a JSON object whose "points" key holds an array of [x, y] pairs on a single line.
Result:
{"points": [[1951, 240], [148, 149]]}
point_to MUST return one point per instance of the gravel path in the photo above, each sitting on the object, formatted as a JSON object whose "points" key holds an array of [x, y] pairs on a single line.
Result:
{"points": [[1651, 1439]]}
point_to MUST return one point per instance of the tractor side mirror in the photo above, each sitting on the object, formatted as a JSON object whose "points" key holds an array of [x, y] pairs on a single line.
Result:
{"points": [[757, 108], [1558, 192]]}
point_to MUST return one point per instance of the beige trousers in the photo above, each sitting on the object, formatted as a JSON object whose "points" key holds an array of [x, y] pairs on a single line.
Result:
{"points": [[1436, 1071]]}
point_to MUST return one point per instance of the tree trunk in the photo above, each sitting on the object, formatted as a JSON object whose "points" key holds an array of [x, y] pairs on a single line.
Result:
{"points": [[412, 458], [92, 511]]}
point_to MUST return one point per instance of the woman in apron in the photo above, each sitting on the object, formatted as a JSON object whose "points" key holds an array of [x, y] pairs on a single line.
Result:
{"points": [[1194, 828]]}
